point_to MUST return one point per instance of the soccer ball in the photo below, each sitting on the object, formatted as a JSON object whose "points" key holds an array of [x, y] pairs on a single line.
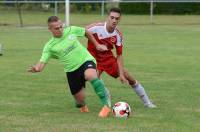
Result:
{"points": [[121, 109]]}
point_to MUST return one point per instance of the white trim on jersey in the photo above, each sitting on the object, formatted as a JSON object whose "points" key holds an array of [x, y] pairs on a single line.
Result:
{"points": [[102, 33]]}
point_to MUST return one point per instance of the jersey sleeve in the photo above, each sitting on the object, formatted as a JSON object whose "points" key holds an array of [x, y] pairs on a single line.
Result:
{"points": [[92, 29], [119, 44], [78, 31], [46, 55]]}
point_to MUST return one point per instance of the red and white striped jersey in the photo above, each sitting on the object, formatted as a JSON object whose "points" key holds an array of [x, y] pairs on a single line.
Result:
{"points": [[102, 36]]}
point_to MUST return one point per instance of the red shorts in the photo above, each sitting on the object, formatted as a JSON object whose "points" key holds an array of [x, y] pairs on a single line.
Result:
{"points": [[109, 66], [105, 62]]}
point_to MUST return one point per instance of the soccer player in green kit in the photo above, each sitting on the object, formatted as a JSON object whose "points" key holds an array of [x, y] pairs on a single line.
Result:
{"points": [[78, 64]]}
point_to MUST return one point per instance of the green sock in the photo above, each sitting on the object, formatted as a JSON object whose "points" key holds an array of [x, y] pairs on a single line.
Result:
{"points": [[101, 91]]}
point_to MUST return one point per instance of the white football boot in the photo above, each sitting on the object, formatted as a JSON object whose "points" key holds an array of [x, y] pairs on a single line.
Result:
{"points": [[150, 105]]}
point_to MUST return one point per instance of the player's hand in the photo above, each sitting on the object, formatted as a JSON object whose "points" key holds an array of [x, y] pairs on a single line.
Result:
{"points": [[101, 47], [123, 79], [31, 69]]}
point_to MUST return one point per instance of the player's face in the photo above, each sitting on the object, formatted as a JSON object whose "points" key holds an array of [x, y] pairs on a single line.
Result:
{"points": [[56, 28], [113, 19]]}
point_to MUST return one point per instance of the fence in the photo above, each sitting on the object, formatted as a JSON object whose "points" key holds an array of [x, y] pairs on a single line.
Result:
{"points": [[53, 7]]}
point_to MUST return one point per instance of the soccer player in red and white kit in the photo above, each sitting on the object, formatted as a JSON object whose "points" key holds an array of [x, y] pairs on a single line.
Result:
{"points": [[108, 37]]}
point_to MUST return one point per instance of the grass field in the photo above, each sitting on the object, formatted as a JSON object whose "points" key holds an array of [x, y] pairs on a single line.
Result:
{"points": [[165, 58]]}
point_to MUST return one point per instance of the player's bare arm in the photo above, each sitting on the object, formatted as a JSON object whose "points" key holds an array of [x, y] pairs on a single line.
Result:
{"points": [[98, 46], [36, 68], [121, 69]]}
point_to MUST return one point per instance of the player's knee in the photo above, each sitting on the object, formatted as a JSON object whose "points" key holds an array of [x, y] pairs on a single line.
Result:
{"points": [[90, 74], [125, 72], [90, 77], [130, 79]]}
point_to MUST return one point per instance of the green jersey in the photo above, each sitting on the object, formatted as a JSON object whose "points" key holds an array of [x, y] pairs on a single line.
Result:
{"points": [[67, 49]]}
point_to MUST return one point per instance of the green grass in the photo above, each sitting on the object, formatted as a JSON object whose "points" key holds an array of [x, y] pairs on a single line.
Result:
{"points": [[165, 58], [38, 18]]}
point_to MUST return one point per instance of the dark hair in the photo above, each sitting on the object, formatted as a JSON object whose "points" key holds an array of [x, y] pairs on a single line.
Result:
{"points": [[52, 19], [115, 9]]}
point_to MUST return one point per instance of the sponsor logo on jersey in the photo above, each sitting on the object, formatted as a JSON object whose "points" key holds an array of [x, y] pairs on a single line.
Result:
{"points": [[113, 39], [69, 49], [71, 37]]}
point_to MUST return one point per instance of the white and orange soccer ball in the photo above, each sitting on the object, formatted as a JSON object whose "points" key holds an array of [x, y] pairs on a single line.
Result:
{"points": [[121, 109]]}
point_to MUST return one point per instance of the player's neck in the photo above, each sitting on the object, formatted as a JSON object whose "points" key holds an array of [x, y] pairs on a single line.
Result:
{"points": [[109, 29]]}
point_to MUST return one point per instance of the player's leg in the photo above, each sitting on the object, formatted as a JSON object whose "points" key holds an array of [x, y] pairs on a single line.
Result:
{"points": [[80, 101], [111, 67], [77, 83], [99, 88], [112, 70], [139, 89], [99, 72]]}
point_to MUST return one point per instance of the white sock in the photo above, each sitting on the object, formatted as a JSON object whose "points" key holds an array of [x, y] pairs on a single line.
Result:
{"points": [[141, 92], [108, 96]]}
